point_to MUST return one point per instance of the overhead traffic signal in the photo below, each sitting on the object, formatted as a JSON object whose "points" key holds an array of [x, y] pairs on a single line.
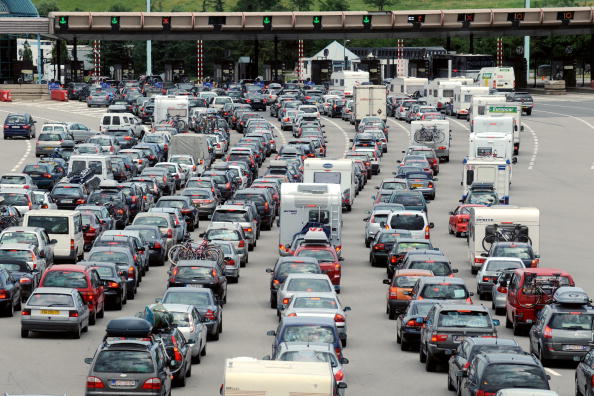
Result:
{"points": [[115, 23], [63, 22], [166, 22], [366, 21], [317, 22], [565, 16], [267, 22]]}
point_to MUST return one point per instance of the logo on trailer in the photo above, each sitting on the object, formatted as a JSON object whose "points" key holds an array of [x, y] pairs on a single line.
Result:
{"points": [[328, 166]]}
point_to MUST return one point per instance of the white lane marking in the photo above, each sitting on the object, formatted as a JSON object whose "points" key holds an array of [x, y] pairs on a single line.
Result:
{"points": [[344, 133], [280, 133], [23, 158], [534, 148], [571, 116], [459, 123], [552, 372], [400, 126]]}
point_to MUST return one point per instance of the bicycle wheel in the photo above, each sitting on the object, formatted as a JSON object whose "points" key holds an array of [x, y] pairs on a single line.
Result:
{"points": [[438, 136], [175, 252], [488, 241], [212, 253]]}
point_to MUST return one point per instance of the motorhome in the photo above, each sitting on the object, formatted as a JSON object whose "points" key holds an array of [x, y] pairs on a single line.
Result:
{"points": [[508, 109], [491, 145], [347, 80], [434, 134], [441, 90], [478, 104], [341, 172], [305, 205], [503, 79], [497, 221], [171, 106], [494, 171], [463, 98], [409, 85]]}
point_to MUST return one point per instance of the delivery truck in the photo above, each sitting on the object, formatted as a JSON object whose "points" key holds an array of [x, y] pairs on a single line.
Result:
{"points": [[369, 100]]}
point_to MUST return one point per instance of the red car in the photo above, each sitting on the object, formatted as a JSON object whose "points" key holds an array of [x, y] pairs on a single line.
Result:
{"points": [[86, 280], [459, 219], [328, 259], [92, 228]]}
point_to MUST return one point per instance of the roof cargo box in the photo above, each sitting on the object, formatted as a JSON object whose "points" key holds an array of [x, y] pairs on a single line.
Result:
{"points": [[128, 327]]}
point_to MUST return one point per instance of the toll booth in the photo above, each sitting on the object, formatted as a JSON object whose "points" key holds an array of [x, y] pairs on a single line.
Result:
{"points": [[372, 66], [321, 70]]}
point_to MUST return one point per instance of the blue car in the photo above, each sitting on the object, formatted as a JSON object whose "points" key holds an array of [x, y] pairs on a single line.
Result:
{"points": [[45, 175], [306, 329], [19, 125]]}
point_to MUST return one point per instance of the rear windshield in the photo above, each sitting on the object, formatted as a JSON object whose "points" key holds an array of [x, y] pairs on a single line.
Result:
{"points": [[109, 257], [571, 321], [546, 284], [500, 376], [194, 272], [315, 302], [323, 256], [15, 199], [444, 291], [521, 252], [464, 318], [308, 334], [391, 236], [12, 180], [50, 137], [500, 265], [70, 279], [405, 281], [8, 254], [29, 169], [118, 361], [68, 191], [223, 234], [309, 285], [394, 186], [404, 247], [258, 199], [438, 268], [285, 269], [407, 200], [379, 218], [50, 300], [407, 222], [170, 203], [18, 237], [230, 215], [103, 197], [51, 224], [105, 272], [197, 299], [15, 119], [309, 356], [154, 221]]}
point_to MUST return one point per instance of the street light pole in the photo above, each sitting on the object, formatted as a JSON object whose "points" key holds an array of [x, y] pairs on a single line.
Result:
{"points": [[149, 47], [527, 48]]}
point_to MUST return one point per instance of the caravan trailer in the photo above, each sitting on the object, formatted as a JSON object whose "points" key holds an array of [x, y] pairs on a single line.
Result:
{"points": [[347, 80], [409, 85]]}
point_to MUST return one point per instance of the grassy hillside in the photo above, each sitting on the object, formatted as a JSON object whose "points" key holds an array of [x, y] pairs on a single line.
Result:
{"points": [[196, 5]]}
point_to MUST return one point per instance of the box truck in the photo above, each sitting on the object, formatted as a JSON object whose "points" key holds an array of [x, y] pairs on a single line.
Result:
{"points": [[369, 100]]}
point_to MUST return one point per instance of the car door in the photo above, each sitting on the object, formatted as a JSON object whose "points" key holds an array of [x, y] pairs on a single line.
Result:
{"points": [[458, 362], [163, 371], [83, 309], [98, 291], [48, 247], [536, 330], [199, 334]]}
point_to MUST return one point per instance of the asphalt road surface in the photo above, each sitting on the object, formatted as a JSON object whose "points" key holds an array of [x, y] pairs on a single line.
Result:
{"points": [[554, 173]]}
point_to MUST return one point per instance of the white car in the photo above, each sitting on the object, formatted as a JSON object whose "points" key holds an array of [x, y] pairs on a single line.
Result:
{"points": [[17, 180], [489, 273], [310, 110], [295, 283]]}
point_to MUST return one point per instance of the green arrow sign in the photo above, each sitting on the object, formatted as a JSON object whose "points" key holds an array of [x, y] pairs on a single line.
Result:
{"points": [[115, 20], [63, 21], [316, 20], [266, 20], [366, 19]]}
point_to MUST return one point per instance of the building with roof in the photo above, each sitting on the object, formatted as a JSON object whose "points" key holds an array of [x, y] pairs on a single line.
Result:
{"points": [[10, 69]]}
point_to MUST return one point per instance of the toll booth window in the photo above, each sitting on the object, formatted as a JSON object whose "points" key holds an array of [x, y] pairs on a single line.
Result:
{"points": [[319, 216]]}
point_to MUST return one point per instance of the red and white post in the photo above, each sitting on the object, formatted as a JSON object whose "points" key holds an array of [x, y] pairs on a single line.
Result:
{"points": [[499, 51], [300, 61], [400, 58], [199, 60]]}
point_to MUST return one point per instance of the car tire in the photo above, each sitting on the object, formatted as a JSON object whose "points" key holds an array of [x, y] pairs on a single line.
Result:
{"points": [[272, 302], [391, 314], [545, 362], [24, 333], [93, 318], [450, 385], [101, 313], [189, 372], [77, 332], [251, 247], [215, 336], [508, 323], [367, 243], [181, 382], [473, 270], [404, 346], [430, 364], [343, 342], [422, 355], [517, 328], [458, 234], [499, 311], [203, 351], [196, 359], [9, 311]]}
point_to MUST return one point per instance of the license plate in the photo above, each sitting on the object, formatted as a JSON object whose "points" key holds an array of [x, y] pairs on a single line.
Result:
{"points": [[49, 312], [197, 285], [417, 185], [123, 383], [575, 347], [67, 201], [15, 127], [459, 338]]}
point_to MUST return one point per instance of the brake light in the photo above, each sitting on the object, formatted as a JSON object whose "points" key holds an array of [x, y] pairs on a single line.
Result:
{"points": [[94, 383], [169, 233], [266, 206], [548, 332], [534, 263], [592, 380], [249, 229], [131, 272], [339, 376], [339, 318], [286, 301], [241, 243], [72, 244], [47, 175], [4, 294], [152, 383], [479, 260], [427, 233], [379, 246], [73, 314], [210, 315], [439, 337], [25, 312], [392, 293], [338, 352], [413, 323]]}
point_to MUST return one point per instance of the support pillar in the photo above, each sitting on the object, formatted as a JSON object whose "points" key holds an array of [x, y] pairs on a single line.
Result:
{"points": [[471, 44], [256, 58], [75, 63], [59, 60], [275, 58]]}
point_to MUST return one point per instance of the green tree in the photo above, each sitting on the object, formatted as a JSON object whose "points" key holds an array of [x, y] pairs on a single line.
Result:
{"points": [[301, 5], [380, 4], [27, 54], [334, 5], [47, 6], [219, 5], [119, 8]]}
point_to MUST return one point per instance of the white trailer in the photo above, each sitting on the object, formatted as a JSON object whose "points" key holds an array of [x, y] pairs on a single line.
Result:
{"points": [[171, 105], [504, 216], [491, 145], [305, 204], [192, 144], [434, 134], [463, 98], [348, 80], [341, 172], [508, 109], [248, 376], [409, 85], [503, 79], [441, 90], [487, 170], [478, 104], [369, 100]]}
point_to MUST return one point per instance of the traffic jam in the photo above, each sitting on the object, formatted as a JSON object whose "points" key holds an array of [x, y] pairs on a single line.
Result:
{"points": [[189, 177]]}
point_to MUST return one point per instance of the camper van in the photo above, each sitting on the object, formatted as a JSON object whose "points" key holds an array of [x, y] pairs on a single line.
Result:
{"points": [[434, 134], [491, 145], [508, 109], [341, 172], [64, 227], [347, 80], [494, 171], [441, 90], [409, 85], [100, 164], [308, 204], [171, 105], [463, 99], [501, 219], [502, 79], [248, 376]]}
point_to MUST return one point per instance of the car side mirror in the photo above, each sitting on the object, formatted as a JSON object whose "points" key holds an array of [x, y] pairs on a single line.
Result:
{"points": [[399, 160], [496, 322], [344, 360], [53, 241], [386, 281], [88, 360], [269, 270], [42, 254], [515, 160], [455, 270], [431, 225], [201, 235], [341, 259], [435, 179], [470, 294], [366, 219], [271, 333], [537, 256], [460, 200], [382, 224], [450, 213]]}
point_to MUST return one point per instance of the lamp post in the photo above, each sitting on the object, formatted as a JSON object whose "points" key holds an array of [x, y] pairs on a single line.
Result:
{"points": [[149, 47], [344, 58], [527, 48]]}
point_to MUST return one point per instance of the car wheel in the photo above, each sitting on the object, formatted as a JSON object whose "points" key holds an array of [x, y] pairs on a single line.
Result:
{"points": [[473, 270], [499, 311], [272, 302], [203, 352], [9, 311], [517, 328], [398, 338], [450, 385], [422, 355], [118, 303], [391, 314], [543, 360], [458, 234], [430, 364], [189, 372], [577, 388], [367, 243], [404, 345], [101, 313], [181, 381], [215, 336], [77, 332], [93, 318], [24, 333], [508, 323]]}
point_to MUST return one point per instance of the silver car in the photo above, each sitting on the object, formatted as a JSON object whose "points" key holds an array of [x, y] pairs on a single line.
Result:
{"points": [[499, 291], [22, 200], [295, 283], [203, 199], [17, 180], [35, 236], [231, 260], [232, 232], [55, 309], [238, 214], [373, 223], [489, 272], [324, 304], [191, 324], [24, 251]]}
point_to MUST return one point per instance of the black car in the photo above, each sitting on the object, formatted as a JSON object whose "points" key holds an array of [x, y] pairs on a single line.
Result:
{"points": [[77, 91], [523, 97], [289, 265], [27, 277], [156, 242], [185, 205], [408, 324], [10, 293], [382, 244], [584, 385], [115, 286], [69, 196], [223, 181], [115, 202], [256, 100], [200, 272], [134, 197], [264, 202]]}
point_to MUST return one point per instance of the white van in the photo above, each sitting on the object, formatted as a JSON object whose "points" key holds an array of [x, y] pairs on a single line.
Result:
{"points": [[65, 226], [409, 85], [248, 376], [342, 172], [220, 101], [463, 98], [502, 79], [347, 80], [313, 204], [101, 164], [504, 216], [414, 221], [496, 171], [117, 121], [434, 134]]}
